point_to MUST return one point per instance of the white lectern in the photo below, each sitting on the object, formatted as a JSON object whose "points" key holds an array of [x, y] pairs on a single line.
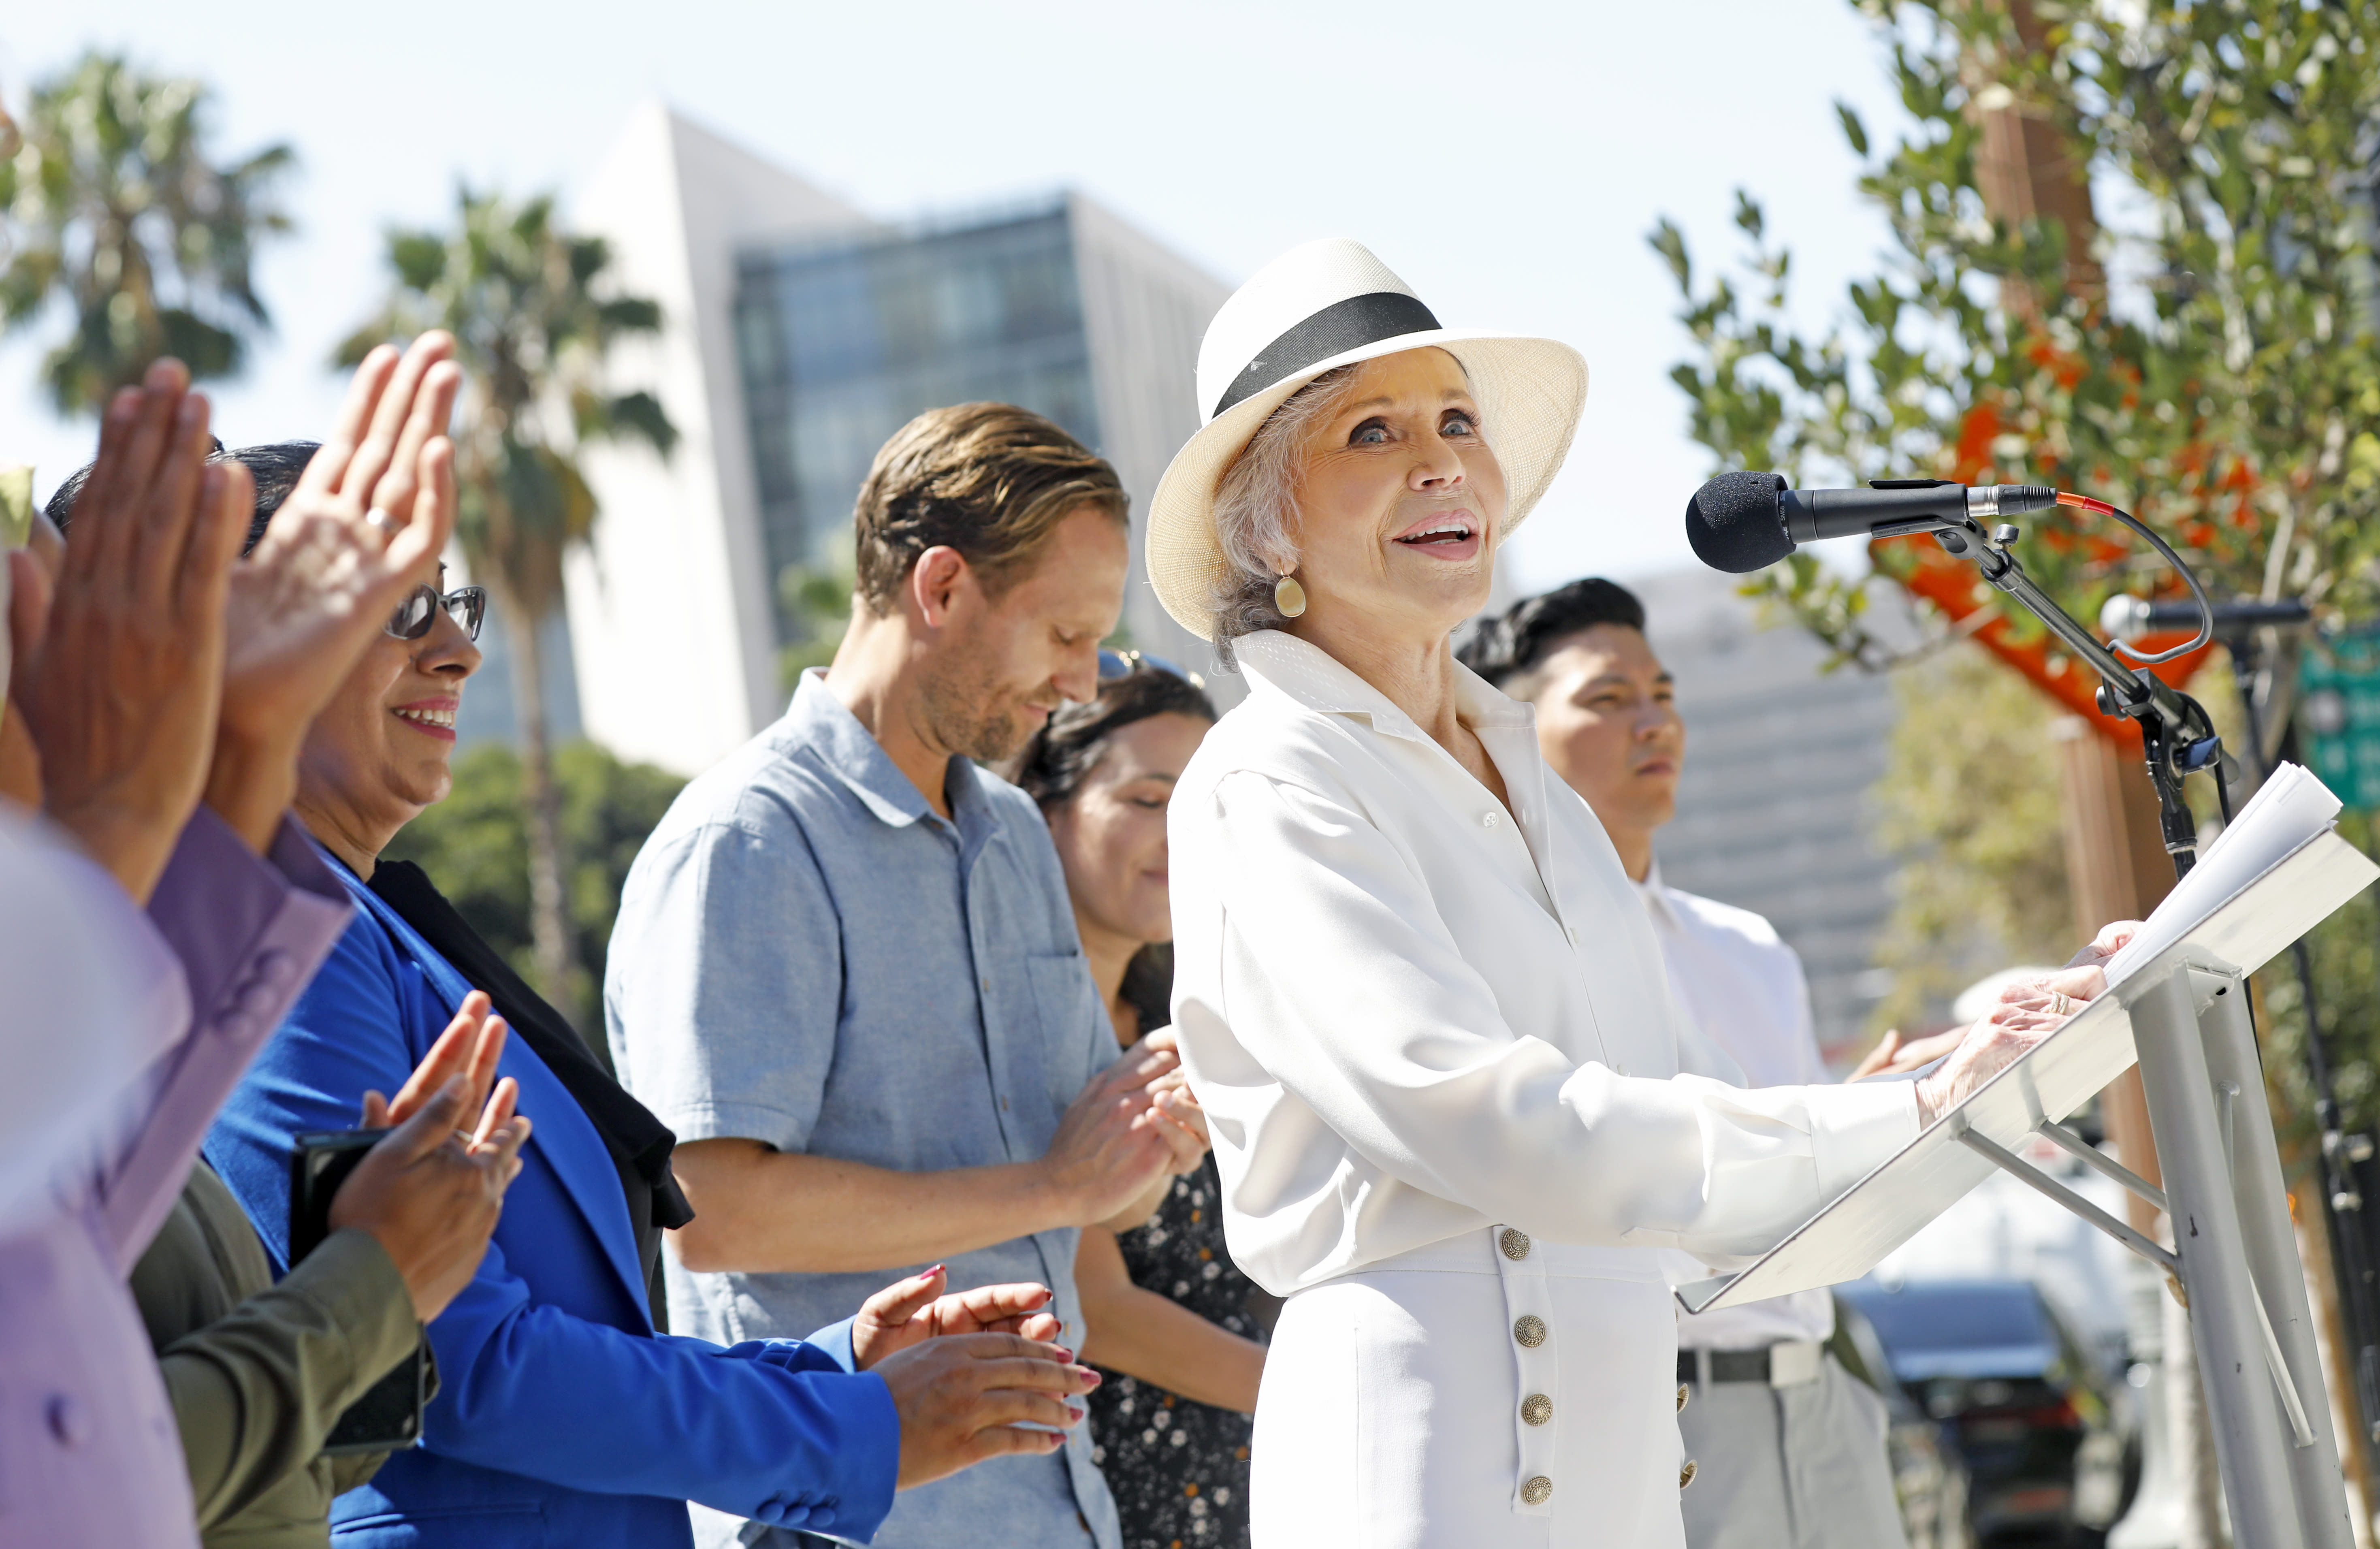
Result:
{"points": [[2183, 1015]]}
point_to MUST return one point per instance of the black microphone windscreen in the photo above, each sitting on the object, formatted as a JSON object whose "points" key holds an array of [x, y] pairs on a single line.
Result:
{"points": [[1736, 523]]}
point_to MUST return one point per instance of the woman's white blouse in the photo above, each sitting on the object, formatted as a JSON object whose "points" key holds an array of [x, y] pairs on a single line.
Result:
{"points": [[1409, 1016]]}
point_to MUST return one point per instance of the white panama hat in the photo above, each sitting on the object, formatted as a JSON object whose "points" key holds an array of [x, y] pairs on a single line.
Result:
{"points": [[1313, 309]]}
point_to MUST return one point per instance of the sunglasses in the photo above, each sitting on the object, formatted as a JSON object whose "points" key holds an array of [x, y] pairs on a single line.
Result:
{"points": [[467, 606], [1124, 664]]}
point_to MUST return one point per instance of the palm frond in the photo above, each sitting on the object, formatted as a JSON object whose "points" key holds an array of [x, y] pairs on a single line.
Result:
{"points": [[114, 207], [628, 314], [629, 416]]}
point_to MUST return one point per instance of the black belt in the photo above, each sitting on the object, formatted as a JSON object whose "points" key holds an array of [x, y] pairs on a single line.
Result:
{"points": [[1726, 1366]]}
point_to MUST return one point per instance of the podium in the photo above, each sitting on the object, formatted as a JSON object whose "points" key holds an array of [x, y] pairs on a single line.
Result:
{"points": [[2182, 1015]]}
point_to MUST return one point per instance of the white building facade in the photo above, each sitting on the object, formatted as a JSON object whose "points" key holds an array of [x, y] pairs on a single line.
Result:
{"points": [[798, 334], [1773, 810]]}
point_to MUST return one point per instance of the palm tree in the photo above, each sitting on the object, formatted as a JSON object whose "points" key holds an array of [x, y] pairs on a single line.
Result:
{"points": [[113, 203], [533, 322]]}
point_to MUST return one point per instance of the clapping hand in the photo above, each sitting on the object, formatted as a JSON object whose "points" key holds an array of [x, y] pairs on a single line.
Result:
{"points": [[1173, 1108], [970, 1396], [152, 668], [913, 1310], [472, 1044], [432, 1192], [372, 509], [120, 667], [1115, 1147], [973, 1375]]}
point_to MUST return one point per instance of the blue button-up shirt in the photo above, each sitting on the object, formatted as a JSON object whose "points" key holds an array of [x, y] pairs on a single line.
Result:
{"points": [[807, 956]]}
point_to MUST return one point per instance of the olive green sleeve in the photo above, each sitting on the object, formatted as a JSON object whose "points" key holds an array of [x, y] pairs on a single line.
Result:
{"points": [[256, 1392]]}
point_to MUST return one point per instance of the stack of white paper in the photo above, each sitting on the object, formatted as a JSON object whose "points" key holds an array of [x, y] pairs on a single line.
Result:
{"points": [[2291, 808]]}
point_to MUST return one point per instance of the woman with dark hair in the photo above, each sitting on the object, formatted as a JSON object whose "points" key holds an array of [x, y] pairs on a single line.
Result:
{"points": [[562, 1414], [1166, 1309]]}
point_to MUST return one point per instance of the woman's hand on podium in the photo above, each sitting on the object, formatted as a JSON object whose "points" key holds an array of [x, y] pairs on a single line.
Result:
{"points": [[2027, 1013]]}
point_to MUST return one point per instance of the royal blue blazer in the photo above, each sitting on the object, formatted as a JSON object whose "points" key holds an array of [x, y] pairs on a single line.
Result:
{"points": [[562, 1417]]}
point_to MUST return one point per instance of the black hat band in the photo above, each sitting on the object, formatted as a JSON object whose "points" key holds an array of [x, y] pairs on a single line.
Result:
{"points": [[1336, 329]]}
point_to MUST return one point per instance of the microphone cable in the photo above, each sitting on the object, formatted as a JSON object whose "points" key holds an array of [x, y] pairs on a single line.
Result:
{"points": [[2197, 593]]}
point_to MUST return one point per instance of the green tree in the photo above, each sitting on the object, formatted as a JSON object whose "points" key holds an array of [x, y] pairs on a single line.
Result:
{"points": [[475, 846], [114, 205], [1968, 807], [2206, 361], [534, 320], [2224, 385], [815, 602]]}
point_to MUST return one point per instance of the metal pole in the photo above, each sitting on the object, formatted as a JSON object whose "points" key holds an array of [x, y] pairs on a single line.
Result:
{"points": [[2262, 1198], [2342, 1202], [2250, 1446]]}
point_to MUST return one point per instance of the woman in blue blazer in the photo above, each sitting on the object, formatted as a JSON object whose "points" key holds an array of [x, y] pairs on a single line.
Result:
{"points": [[562, 1417]]}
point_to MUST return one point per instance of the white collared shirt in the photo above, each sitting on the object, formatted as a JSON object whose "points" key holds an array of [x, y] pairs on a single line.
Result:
{"points": [[1742, 988], [1411, 1014]]}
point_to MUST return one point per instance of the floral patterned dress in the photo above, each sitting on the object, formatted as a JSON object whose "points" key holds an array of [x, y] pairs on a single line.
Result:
{"points": [[1179, 1468]]}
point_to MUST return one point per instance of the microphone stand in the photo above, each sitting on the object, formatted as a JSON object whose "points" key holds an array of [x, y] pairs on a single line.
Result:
{"points": [[2252, 1279], [2342, 1198], [2175, 732]]}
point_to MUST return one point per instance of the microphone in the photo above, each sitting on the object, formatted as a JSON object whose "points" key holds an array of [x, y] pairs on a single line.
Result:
{"points": [[1745, 521], [2126, 617]]}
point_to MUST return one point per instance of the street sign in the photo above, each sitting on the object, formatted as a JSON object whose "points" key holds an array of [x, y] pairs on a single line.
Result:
{"points": [[2340, 714]]}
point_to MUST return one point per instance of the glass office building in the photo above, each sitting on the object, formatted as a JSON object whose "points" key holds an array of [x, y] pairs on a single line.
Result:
{"points": [[800, 332], [842, 343]]}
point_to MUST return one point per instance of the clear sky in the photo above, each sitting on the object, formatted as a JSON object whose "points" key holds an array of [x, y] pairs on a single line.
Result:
{"points": [[1507, 159]]}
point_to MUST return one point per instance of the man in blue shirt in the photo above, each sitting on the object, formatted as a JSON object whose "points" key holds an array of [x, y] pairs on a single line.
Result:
{"points": [[845, 971]]}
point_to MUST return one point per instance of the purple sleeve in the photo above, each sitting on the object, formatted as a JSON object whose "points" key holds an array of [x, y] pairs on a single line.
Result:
{"points": [[249, 932]]}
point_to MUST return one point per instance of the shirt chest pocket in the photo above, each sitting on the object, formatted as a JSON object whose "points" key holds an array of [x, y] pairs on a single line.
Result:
{"points": [[1066, 1019]]}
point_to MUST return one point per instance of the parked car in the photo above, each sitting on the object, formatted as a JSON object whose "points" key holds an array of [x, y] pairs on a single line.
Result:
{"points": [[2031, 1417]]}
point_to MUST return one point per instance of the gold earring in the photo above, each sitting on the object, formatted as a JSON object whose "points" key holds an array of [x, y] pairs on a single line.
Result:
{"points": [[1288, 597]]}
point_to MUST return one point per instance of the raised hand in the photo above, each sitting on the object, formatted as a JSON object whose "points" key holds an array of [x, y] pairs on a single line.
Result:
{"points": [[120, 676], [467, 1051], [910, 1311], [469, 1047], [1171, 1102], [366, 522], [965, 1398], [1109, 1150], [432, 1200]]}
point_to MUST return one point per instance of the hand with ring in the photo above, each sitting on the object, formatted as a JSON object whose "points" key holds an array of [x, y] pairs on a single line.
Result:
{"points": [[2028, 1012]]}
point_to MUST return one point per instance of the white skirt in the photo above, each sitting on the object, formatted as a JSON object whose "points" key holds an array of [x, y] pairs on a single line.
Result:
{"points": [[1403, 1407]]}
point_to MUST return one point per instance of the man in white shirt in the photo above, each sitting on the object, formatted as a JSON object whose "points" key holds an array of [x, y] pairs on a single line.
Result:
{"points": [[1788, 1447]]}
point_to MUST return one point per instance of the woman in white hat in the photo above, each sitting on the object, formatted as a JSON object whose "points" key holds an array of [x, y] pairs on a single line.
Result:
{"points": [[1427, 1018]]}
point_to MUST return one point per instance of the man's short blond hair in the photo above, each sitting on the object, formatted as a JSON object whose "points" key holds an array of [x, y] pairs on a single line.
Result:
{"points": [[989, 480]]}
